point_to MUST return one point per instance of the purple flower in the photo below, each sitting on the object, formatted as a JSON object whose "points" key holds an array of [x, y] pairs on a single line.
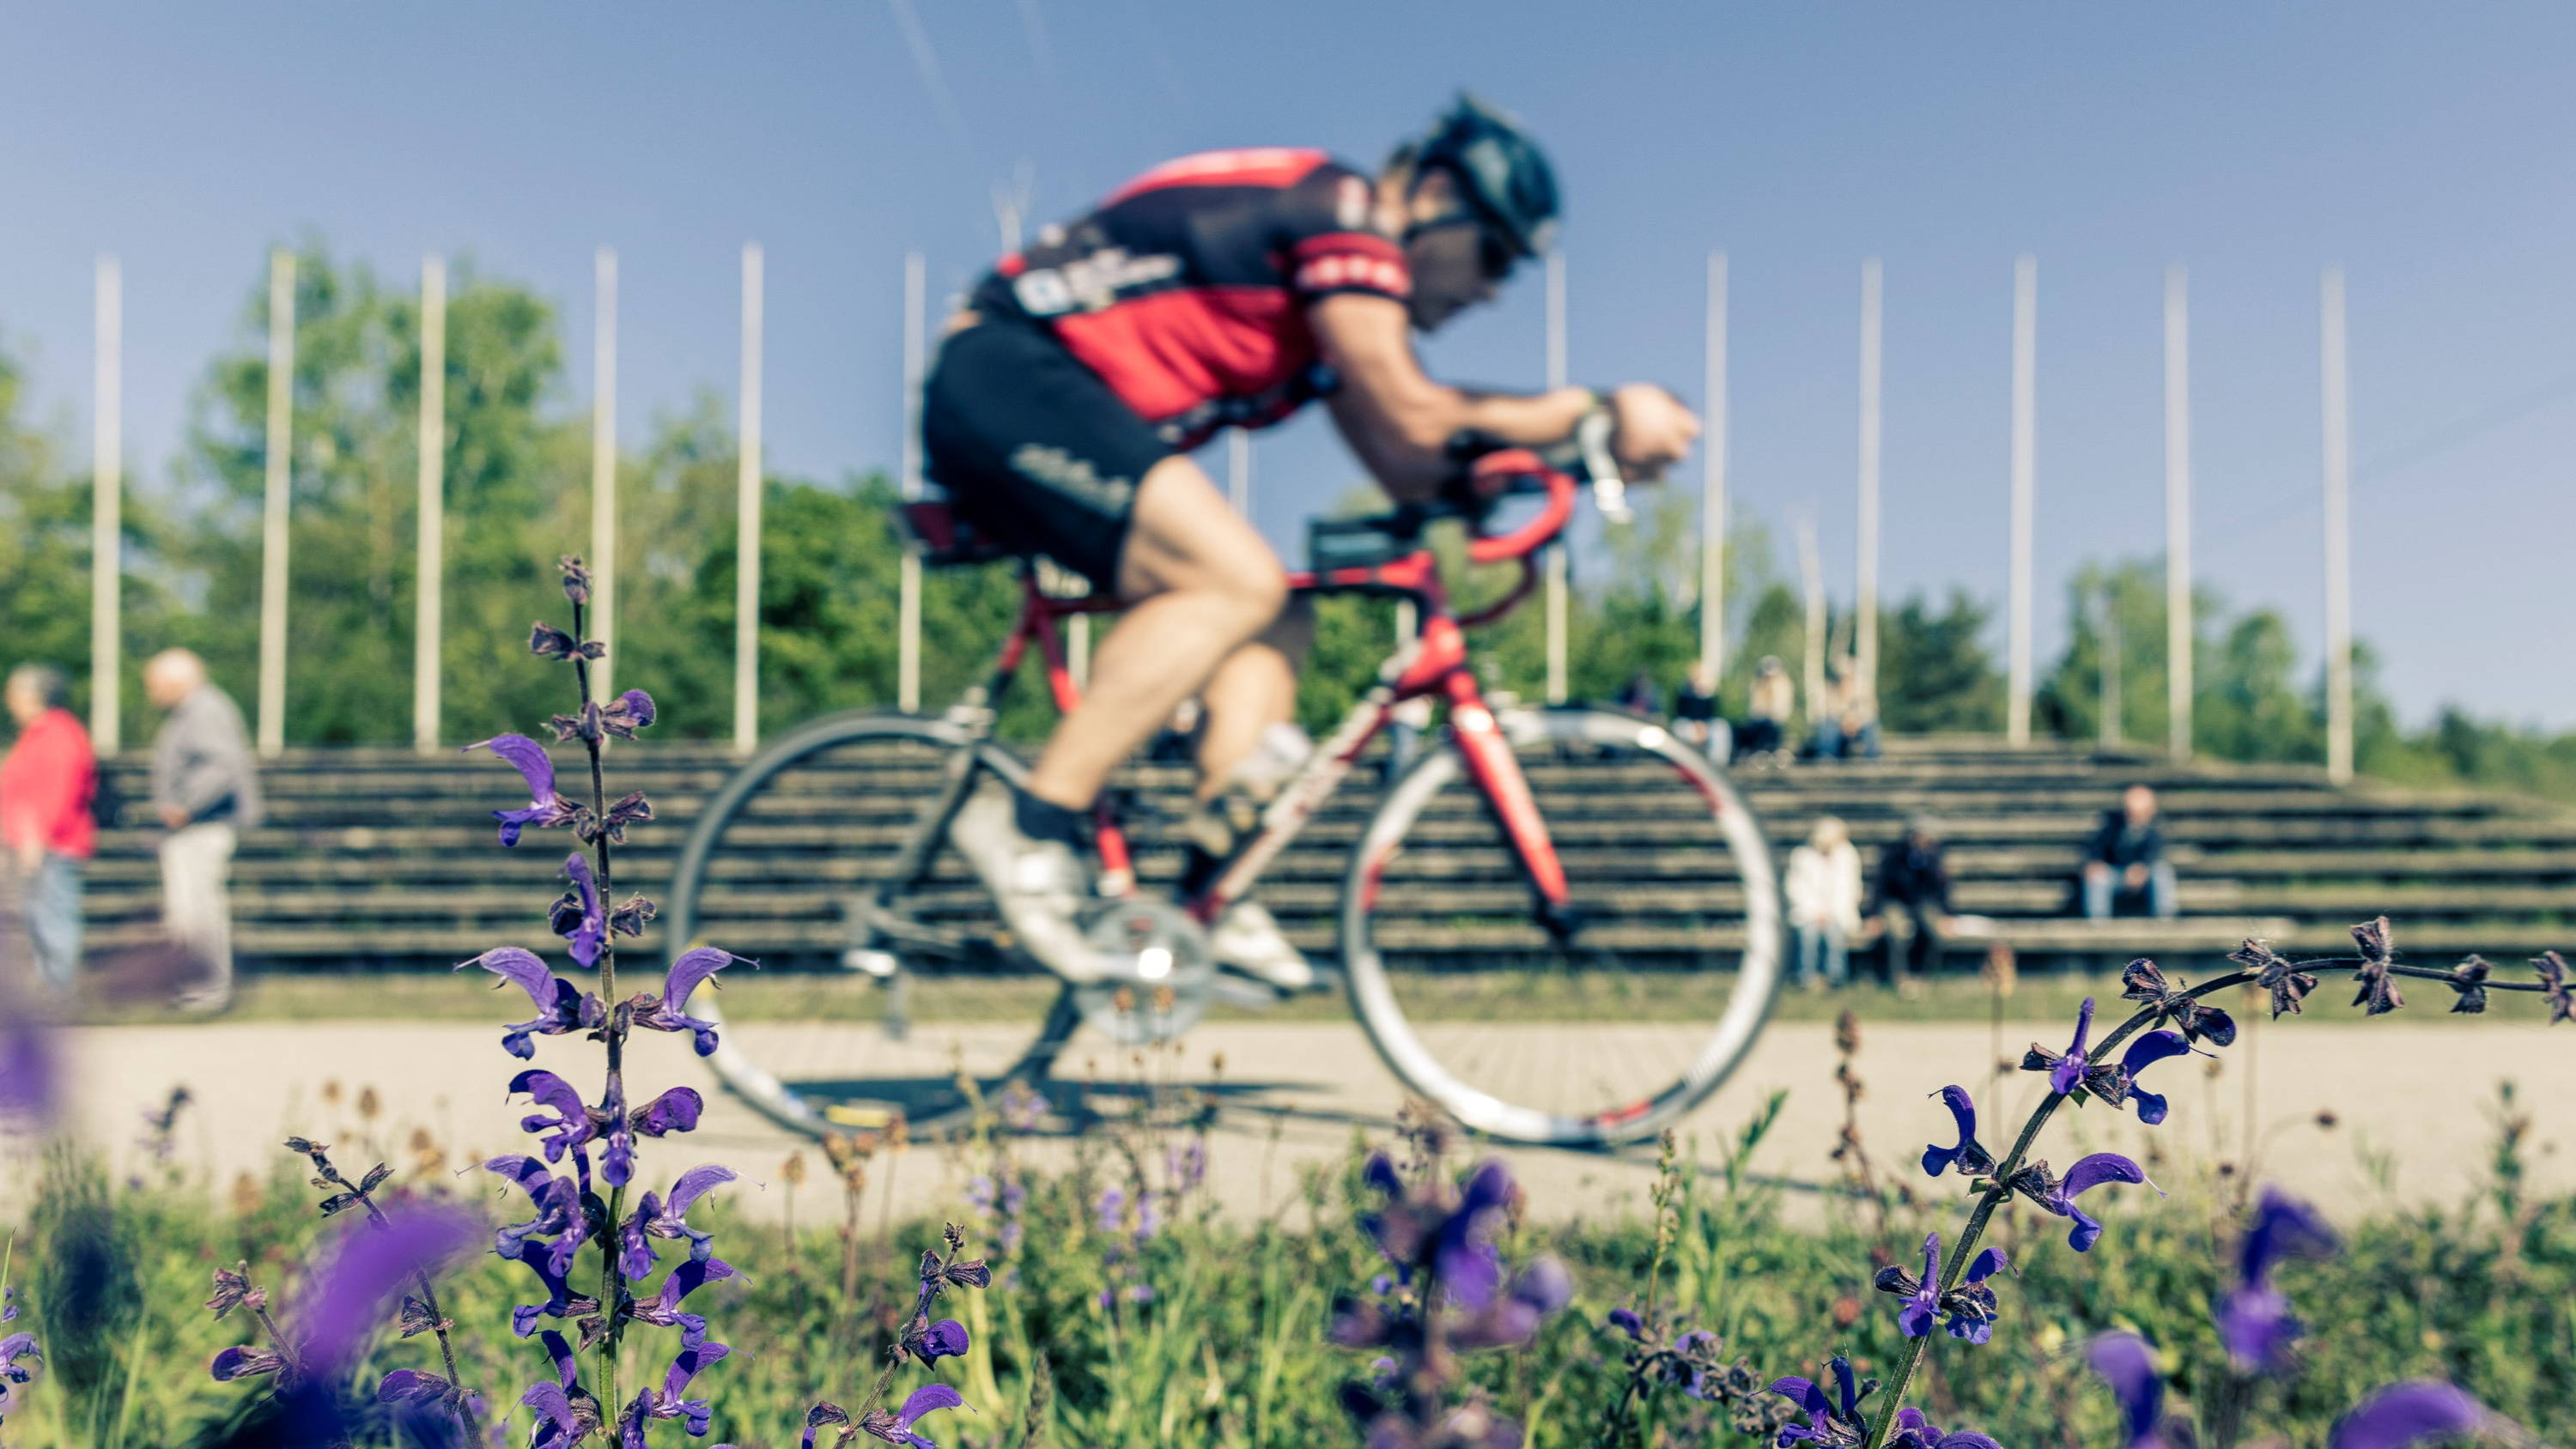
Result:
{"points": [[655, 1218], [2376, 991], [578, 916], [1971, 1305], [2254, 1320], [1969, 1157], [340, 1314], [558, 1204], [2409, 1413], [685, 1278], [1626, 1321], [2146, 983], [627, 713], [1465, 1261], [2288, 984], [2065, 1070], [236, 1363], [2074, 1070], [571, 1127], [2126, 1362], [28, 1065], [666, 1011], [1913, 1431], [2147, 1050], [1185, 1165], [1834, 1424], [561, 1006], [676, 1110], [1538, 1293], [566, 1412], [895, 1426], [15, 1370], [930, 1342], [561, 1301], [2058, 1195], [672, 1402], [2554, 987], [545, 808]]}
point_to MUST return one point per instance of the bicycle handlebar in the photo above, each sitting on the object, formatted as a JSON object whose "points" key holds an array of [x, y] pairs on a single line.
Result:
{"points": [[1521, 542]]}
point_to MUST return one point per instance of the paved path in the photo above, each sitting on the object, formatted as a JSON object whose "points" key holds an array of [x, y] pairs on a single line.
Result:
{"points": [[2418, 1093]]}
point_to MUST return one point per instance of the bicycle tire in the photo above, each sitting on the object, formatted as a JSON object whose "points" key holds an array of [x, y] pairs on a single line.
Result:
{"points": [[769, 1087], [1378, 990]]}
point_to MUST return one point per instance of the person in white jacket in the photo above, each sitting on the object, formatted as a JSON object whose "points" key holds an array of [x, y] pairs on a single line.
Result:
{"points": [[1823, 888]]}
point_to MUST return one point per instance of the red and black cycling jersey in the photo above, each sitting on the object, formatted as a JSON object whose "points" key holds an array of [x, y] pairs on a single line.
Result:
{"points": [[1186, 291]]}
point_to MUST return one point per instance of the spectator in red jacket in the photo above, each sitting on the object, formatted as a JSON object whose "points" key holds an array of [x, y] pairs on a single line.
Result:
{"points": [[48, 784]]}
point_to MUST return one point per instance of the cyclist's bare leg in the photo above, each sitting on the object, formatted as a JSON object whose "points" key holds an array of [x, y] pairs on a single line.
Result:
{"points": [[1201, 584], [1254, 688]]}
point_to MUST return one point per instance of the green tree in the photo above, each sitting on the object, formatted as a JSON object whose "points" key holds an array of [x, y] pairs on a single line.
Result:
{"points": [[1934, 669], [44, 545], [353, 516]]}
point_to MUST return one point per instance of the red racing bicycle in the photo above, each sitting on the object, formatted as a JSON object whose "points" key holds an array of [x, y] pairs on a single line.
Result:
{"points": [[1560, 924]]}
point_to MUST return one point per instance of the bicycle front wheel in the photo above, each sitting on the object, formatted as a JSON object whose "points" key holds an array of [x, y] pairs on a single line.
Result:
{"points": [[1598, 1025]]}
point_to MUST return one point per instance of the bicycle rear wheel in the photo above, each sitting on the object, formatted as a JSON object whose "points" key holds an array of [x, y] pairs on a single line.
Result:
{"points": [[786, 865], [1600, 1028]]}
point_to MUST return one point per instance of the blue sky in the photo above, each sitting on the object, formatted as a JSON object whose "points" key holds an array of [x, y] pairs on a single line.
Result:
{"points": [[2426, 150]]}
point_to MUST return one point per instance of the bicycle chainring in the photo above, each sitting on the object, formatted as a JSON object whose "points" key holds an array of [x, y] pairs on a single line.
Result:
{"points": [[1161, 973]]}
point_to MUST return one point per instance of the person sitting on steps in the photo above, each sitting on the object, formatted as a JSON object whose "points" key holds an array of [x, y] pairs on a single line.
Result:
{"points": [[2126, 864]]}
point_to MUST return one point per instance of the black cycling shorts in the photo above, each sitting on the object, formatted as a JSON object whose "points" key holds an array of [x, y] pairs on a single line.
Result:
{"points": [[1033, 448]]}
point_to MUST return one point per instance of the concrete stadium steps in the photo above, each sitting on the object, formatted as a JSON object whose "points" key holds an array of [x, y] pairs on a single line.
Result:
{"points": [[386, 859]]}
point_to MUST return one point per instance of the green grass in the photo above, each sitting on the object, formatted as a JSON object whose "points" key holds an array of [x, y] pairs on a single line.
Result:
{"points": [[1230, 1349]]}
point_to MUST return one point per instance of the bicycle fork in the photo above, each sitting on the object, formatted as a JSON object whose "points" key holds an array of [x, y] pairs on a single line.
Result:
{"points": [[1497, 774]]}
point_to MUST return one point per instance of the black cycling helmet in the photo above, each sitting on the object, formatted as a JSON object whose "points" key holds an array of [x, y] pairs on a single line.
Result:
{"points": [[1505, 176]]}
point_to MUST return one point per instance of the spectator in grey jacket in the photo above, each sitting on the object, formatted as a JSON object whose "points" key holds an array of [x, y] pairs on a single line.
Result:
{"points": [[205, 790]]}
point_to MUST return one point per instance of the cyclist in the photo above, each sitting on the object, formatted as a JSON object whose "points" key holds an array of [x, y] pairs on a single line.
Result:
{"points": [[1222, 289]]}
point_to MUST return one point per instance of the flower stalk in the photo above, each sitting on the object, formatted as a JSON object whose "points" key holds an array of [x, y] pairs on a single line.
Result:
{"points": [[2288, 983]]}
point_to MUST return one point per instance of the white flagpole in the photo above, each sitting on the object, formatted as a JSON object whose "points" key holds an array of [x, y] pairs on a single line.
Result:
{"points": [[2179, 630], [907, 671], [1865, 590], [1811, 578], [107, 513], [1238, 470], [1557, 570], [272, 553], [603, 463], [2025, 391], [431, 551], [747, 484], [2338, 479], [1712, 506]]}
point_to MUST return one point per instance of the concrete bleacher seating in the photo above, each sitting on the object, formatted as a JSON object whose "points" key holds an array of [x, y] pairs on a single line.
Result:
{"points": [[378, 858]]}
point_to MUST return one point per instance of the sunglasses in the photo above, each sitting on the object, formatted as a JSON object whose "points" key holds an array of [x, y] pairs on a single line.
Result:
{"points": [[1495, 257]]}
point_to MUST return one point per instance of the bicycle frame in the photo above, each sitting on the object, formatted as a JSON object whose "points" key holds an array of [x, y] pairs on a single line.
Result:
{"points": [[1433, 663]]}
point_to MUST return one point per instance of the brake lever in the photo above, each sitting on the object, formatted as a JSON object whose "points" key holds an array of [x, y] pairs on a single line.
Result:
{"points": [[1609, 488]]}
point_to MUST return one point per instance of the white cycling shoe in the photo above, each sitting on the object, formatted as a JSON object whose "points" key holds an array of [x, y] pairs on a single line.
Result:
{"points": [[1248, 939], [1039, 886]]}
